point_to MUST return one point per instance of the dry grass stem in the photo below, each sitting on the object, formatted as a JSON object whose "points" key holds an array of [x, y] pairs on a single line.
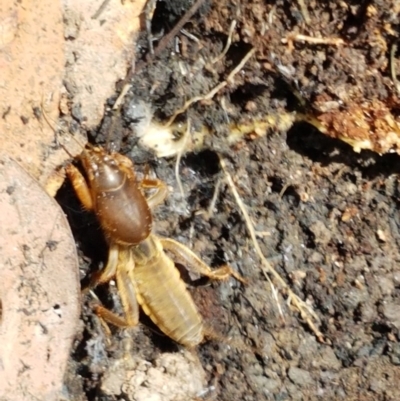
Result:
{"points": [[211, 207], [189, 35], [121, 96], [283, 190], [296, 37], [179, 157], [228, 42], [306, 312]]}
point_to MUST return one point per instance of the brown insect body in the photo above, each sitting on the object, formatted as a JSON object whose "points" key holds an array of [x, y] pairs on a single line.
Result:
{"points": [[120, 206], [144, 274]]}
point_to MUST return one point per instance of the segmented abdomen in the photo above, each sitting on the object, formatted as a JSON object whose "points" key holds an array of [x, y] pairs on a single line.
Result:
{"points": [[163, 295]]}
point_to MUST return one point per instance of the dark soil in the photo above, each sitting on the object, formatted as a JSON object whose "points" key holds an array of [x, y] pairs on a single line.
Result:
{"points": [[327, 216]]}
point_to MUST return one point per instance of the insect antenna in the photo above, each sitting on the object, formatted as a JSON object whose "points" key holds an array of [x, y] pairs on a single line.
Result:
{"points": [[78, 142], [83, 147], [58, 143]]}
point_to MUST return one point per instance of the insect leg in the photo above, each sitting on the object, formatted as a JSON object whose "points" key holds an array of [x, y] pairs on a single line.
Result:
{"points": [[183, 255], [126, 290], [80, 186], [106, 274], [159, 195]]}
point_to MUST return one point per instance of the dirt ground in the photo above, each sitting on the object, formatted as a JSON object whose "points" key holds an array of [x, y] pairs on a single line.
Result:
{"points": [[326, 217]]}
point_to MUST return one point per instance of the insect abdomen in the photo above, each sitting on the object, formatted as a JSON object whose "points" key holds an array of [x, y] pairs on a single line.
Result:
{"points": [[164, 298]]}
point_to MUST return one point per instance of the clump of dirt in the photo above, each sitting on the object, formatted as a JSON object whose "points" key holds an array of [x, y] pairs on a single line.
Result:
{"points": [[326, 217]]}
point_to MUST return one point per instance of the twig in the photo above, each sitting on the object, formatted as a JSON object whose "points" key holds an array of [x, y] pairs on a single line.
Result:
{"points": [[213, 91], [305, 311]]}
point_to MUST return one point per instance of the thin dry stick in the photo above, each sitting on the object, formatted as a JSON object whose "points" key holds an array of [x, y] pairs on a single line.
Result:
{"points": [[304, 310], [213, 91]]}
